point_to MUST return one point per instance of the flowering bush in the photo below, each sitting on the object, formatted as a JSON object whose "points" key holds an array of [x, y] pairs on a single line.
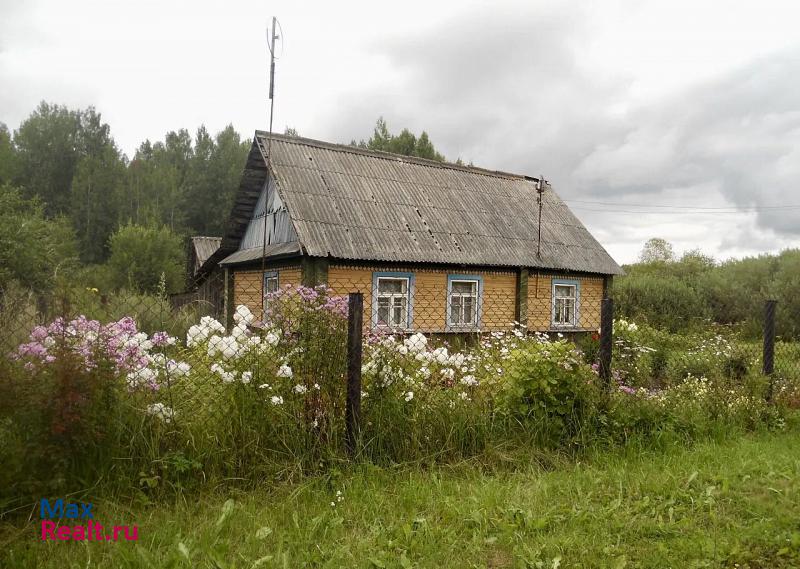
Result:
{"points": [[69, 391], [265, 397]]}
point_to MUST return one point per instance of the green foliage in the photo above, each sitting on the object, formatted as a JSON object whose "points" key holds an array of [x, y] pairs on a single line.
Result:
{"points": [[657, 250], [405, 143], [661, 300], [96, 187], [8, 156], [547, 384], [719, 504], [141, 255], [48, 154], [33, 250], [679, 295]]}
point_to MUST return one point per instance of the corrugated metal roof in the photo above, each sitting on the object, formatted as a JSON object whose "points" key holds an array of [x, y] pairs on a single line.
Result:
{"points": [[350, 203], [272, 251], [204, 247]]}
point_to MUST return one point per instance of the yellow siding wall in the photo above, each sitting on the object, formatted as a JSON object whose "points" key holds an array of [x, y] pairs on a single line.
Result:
{"points": [[247, 285], [540, 298], [430, 294]]}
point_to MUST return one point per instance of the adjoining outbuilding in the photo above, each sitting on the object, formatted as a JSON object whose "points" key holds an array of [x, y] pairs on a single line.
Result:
{"points": [[433, 246]]}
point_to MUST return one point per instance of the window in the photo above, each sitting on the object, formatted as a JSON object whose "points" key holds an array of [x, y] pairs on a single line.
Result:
{"points": [[392, 300], [270, 286], [463, 302], [565, 303]]}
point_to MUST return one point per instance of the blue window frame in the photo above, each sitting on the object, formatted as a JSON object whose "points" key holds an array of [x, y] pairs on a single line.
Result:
{"points": [[392, 300], [566, 299], [464, 302], [271, 284]]}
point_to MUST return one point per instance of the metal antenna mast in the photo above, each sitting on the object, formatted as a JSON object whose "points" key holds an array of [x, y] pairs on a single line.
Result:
{"points": [[540, 190], [273, 35]]}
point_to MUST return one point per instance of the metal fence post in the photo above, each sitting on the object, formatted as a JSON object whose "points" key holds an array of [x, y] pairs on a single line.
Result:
{"points": [[606, 339], [355, 312], [769, 342]]}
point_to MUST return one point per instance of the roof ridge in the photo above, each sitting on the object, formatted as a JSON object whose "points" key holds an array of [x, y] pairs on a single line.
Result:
{"points": [[338, 147]]}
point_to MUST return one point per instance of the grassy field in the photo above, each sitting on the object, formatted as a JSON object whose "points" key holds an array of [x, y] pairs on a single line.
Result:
{"points": [[729, 504]]}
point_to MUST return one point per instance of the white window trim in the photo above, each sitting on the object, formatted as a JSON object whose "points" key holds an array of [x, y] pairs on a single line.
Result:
{"points": [[391, 297], [267, 276], [575, 285], [462, 327]]}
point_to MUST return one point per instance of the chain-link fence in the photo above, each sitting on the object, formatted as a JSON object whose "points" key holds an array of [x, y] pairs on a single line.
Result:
{"points": [[278, 372]]}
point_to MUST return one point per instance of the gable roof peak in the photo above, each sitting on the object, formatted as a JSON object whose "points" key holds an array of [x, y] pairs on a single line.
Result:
{"points": [[263, 136]]}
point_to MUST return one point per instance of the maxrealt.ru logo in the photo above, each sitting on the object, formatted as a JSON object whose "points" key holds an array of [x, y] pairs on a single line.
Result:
{"points": [[91, 531]]}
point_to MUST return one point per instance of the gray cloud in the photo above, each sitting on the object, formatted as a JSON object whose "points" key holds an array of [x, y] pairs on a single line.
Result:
{"points": [[508, 91]]}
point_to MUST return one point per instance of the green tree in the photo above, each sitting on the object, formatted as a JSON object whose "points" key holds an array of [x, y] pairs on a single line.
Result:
{"points": [[405, 143], [657, 250], [8, 156], [140, 255], [48, 154], [34, 250], [96, 191]]}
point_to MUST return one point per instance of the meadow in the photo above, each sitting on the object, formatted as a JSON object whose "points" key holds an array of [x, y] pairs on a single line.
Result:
{"points": [[728, 503]]}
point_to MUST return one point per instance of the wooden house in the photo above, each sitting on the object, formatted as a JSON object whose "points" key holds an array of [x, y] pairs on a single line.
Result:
{"points": [[433, 246]]}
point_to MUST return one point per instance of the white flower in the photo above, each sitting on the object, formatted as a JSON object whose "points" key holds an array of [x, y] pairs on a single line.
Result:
{"points": [[276, 400], [416, 342], [239, 332], [229, 347], [161, 411], [469, 380], [226, 376], [213, 345], [284, 371], [456, 360], [272, 338], [247, 376], [264, 386], [424, 372], [403, 350], [300, 389], [178, 369], [409, 396], [441, 355], [243, 315], [140, 377], [211, 325], [448, 373]]}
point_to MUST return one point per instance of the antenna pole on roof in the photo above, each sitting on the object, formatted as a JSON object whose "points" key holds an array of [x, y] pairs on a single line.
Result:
{"points": [[539, 190], [273, 35]]}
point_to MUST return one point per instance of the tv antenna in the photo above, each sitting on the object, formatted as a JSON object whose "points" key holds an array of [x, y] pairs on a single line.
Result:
{"points": [[540, 187], [273, 33]]}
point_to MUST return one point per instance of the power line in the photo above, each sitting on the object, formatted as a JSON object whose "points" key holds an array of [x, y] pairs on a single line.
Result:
{"points": [[662, 212], [748, 208]]}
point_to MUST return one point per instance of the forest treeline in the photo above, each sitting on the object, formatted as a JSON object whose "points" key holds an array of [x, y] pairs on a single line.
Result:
{"points": [[74, 204]]}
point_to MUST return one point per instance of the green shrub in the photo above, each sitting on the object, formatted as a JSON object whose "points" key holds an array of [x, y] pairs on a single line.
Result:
{"points": [[548, 386]]}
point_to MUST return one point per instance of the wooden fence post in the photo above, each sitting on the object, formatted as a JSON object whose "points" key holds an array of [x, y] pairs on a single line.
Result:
{"points": [[769, 343], [355, 313], [606, 339]]}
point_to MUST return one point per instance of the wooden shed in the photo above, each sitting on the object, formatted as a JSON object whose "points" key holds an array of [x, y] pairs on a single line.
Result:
{"points": [[433, 246]]}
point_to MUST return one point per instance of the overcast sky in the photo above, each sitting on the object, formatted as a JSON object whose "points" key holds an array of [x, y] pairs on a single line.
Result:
{"points": [[625, 106]]}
